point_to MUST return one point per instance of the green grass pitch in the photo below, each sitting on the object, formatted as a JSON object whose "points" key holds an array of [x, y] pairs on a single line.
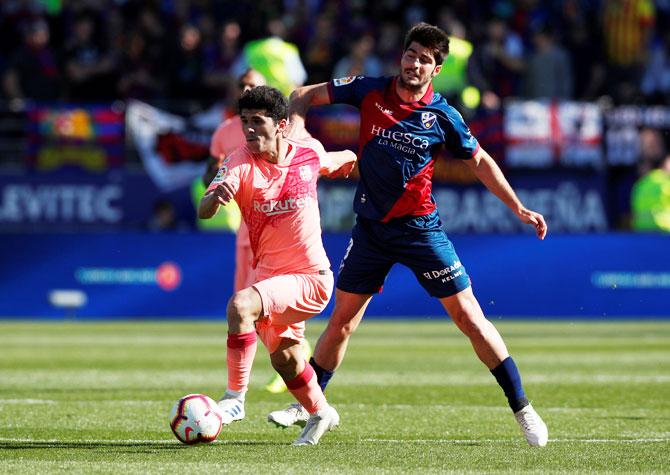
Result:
{"points": [[94, 398]]}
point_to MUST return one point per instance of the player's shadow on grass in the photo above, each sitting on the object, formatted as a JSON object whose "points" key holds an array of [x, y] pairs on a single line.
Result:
{"points": [[43, 444], [130, 446], [632, 418]]}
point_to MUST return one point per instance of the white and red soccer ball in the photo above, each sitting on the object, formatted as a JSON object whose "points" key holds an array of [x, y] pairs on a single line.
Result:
{"points": [[195, 419]]}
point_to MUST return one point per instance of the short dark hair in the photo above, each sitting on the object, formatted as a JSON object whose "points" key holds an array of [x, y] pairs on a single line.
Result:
{"points": [[430, 37], [265, 98]]}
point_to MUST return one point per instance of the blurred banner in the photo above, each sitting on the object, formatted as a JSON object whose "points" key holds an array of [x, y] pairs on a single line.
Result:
{"points": [[121, 200], [138, 275], [624, 145], [574, 162], [569, 203], [547, 134], [173, 149], [88, 137]]}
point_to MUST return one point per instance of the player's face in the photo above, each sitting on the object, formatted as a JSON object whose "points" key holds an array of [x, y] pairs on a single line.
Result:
{"points": [[260, 130], [417, 67]]}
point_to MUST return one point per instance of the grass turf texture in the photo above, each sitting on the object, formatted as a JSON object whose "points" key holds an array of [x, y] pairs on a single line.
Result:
{"points": [[94, 398]]}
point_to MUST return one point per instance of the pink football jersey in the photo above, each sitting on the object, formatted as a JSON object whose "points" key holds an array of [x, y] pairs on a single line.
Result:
{"points": [[279, 205]]}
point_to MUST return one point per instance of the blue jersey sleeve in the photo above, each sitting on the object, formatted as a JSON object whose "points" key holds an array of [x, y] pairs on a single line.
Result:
{"points": [[457, 137], [351, 90]]}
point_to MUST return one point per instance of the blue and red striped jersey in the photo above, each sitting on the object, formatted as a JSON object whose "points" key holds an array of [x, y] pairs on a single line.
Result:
{"points": [[397, 143]]}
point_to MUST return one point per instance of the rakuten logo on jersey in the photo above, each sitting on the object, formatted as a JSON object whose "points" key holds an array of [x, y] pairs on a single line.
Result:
{"points": [[275, 207], [399, 140]]}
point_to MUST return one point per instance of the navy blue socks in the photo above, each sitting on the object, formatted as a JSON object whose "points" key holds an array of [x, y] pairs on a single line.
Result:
{"points": [[509, 379], [322, 375]]}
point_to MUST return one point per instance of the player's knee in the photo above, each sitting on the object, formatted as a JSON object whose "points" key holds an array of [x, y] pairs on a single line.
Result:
{"points": [[471, 323], [342, 331], [239, 308]]}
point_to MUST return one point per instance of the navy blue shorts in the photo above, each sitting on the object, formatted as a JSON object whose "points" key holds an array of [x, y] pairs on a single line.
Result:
{"points": [[419, 243]]}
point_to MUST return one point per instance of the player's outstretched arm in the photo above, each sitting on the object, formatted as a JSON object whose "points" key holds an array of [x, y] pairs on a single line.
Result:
{"points": [[340, 164], [214, 199], [490, 174], [299, 103]]}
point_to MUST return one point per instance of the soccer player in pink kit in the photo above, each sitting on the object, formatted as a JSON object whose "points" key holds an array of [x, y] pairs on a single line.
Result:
{"points": [[273, 180]]}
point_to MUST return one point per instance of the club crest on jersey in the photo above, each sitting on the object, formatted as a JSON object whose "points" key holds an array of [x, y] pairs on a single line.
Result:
{"points": [[428, 119], [305, 173], [343, 81]]}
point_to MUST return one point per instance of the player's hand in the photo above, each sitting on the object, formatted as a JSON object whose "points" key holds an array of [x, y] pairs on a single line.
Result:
{"points": [[344, 171], [535, 219], [224, 193]]}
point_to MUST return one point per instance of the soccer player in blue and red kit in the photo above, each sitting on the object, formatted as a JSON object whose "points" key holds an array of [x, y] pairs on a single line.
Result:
{"points": [[402, 122]]}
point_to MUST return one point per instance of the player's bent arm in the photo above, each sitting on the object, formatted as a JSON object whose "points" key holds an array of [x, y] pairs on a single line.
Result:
{"points": [[302, 98], [340, 164], [209, 205], [215, 198], [490, 174]]}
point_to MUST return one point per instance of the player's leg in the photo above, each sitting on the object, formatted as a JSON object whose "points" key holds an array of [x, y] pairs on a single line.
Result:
{"points": [[291, 300], [301, 381], [363, 270], [465, 311], [245, 276], [276, 384], [244, 308], [436, 265], [329, 351], [332, 344]]}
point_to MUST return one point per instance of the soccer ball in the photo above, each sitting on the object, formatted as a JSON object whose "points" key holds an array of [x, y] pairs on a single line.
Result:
{"points": [[195, 419]]}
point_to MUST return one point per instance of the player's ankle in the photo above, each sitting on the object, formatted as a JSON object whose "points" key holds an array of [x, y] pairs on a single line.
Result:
{"points": [[322, 375], [232, 394]]}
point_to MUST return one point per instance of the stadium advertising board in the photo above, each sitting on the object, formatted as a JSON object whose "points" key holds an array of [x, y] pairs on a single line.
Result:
{"points": [[572, 204], [141, 275], [114, 200]]}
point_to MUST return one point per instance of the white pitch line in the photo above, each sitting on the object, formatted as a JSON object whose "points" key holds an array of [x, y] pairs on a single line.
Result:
{"points": [[474, 441], [27, 401], [374, 440]]}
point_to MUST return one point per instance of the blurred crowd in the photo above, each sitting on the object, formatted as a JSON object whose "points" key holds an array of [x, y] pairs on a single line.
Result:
{"points": [[99, 50]]}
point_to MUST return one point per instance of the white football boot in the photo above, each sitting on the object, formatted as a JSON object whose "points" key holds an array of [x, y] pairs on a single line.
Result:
{"points": [[532, 426], [318, 424], [232, 409], [294, 414]]}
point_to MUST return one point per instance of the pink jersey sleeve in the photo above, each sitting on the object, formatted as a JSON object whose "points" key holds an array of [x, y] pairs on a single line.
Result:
{"points": [[232, 171], [327, 165], [227, 137]]}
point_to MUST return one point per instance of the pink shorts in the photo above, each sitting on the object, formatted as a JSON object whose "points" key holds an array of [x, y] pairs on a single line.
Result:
{"points": [[289, 300]]}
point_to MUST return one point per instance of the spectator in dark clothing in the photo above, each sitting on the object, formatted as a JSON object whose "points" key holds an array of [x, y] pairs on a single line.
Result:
{"points": [[495, 65], [139, 79], [32, 71], [90, 68], [549, 73], [186, 68]]}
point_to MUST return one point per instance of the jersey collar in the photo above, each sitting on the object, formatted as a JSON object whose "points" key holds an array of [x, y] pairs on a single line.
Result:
{"points": [[424, 101]]}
